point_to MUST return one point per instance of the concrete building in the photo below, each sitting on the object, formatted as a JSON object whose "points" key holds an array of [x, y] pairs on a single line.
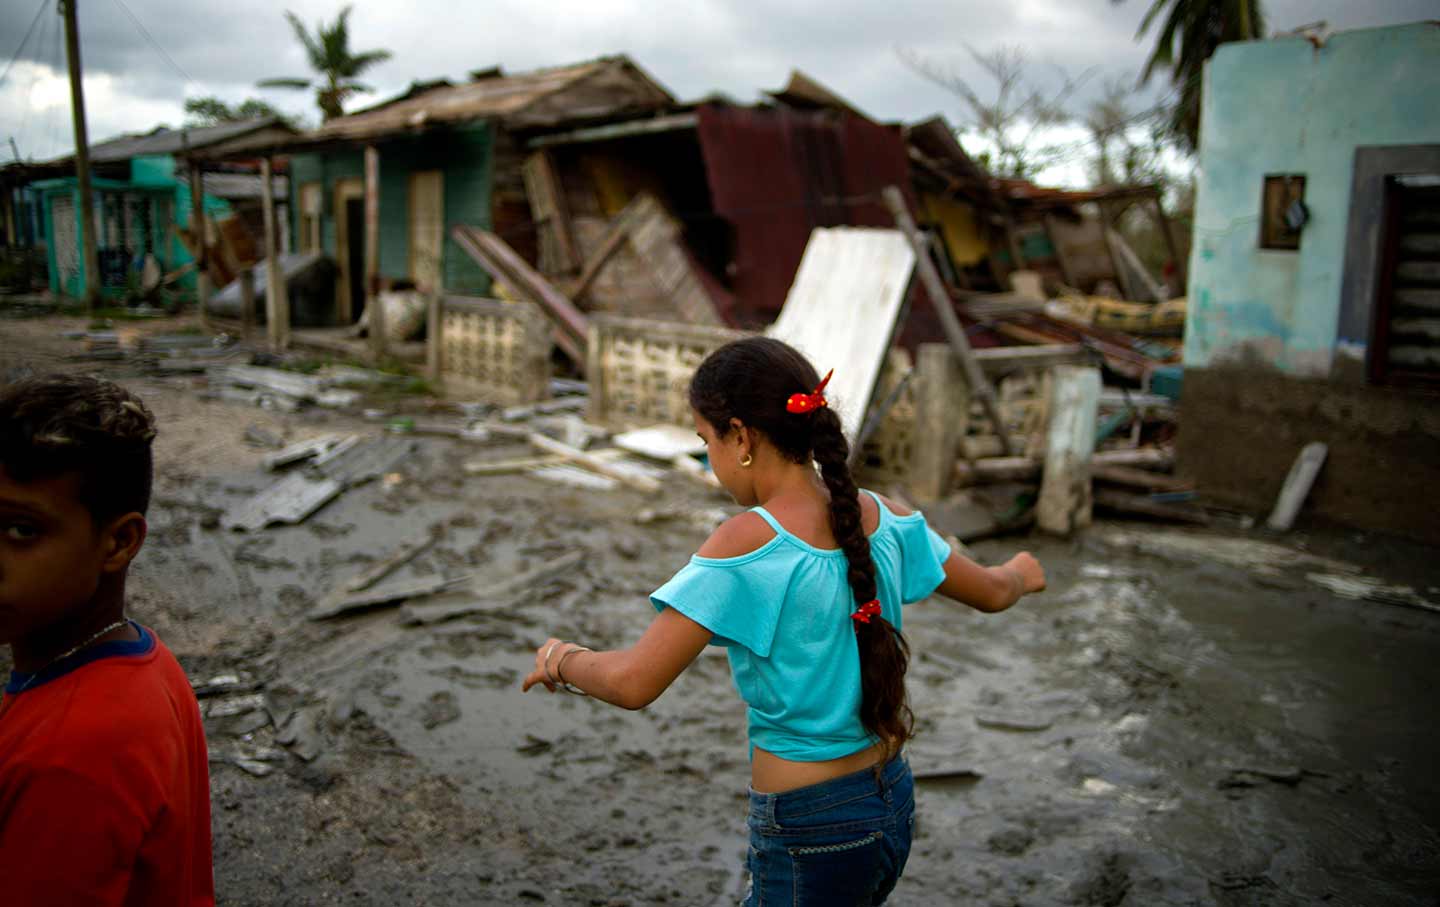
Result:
{"points": [[1314, 286]]}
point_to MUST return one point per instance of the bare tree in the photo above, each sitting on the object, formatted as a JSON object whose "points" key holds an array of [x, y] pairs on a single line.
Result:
{"points": [[1015, 118], [1127, 144]]}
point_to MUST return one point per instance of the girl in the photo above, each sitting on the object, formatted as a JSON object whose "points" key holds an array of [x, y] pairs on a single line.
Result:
{"points": [[805, 591]]}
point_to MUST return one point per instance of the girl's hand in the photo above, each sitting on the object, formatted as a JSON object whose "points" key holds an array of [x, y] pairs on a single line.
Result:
{"points": [[1032, 575], [538, 675]]}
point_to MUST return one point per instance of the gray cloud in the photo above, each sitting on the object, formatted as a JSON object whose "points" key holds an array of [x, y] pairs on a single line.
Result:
{"points": [[694, 47]]}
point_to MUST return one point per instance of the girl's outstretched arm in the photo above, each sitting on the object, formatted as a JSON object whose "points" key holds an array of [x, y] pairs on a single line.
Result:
{"points": [[991, 589], [630, 678]]}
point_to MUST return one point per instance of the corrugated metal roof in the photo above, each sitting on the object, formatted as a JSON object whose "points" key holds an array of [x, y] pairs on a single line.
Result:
{"points": [[543, 97], [777, 173], [172, 141]]}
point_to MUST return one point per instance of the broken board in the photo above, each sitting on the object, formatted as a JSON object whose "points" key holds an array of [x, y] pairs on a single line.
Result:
{"points": [[661, 442], [289, 500], [842, 308]]}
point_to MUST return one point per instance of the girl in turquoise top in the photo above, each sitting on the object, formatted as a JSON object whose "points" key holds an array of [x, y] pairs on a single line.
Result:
{"points": [[805, 591]]}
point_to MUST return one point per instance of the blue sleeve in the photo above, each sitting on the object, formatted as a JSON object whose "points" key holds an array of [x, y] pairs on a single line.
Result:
{"points": [[736, 599], [922, 559]]}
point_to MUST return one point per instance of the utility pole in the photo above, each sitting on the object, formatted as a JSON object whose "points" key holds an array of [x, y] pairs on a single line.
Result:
{"points": [[82, 158]]}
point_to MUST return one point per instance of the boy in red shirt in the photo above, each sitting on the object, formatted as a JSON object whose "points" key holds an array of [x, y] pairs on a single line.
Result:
{"points": [[104, 786]]}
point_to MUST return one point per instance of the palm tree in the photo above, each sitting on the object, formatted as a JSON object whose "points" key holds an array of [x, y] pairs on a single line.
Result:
{"points": [[1199, 27], [329, 52]]}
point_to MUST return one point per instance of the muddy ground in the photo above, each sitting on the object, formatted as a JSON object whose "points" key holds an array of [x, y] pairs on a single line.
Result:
{"points": [[1152, 731]]}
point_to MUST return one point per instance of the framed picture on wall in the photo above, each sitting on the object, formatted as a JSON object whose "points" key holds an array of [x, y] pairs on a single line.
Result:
{"points": [[1282, 212]]}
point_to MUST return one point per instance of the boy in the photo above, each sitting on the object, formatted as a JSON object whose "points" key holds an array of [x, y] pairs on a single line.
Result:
{"points": [[104, 786]]}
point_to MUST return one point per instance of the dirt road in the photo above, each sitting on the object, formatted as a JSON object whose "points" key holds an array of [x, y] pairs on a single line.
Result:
{"points": [[1155, 730]]}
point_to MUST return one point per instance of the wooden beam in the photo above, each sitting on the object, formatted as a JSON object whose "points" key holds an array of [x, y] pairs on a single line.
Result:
{"points": [[247, 302], [496, 257], [1020, 469], [435, 338], [1157, 213], [277, 300], [1065, 270], [954, 331], [202, 246], [375, 311], [1065, 496], [593, 463]]}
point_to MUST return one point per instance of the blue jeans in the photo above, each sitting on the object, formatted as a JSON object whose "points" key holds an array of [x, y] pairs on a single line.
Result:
{"points": [[841, 842]]}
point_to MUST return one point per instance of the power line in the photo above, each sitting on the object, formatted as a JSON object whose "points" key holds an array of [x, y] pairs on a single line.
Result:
{"points": [[26, 40], [155, 44]]}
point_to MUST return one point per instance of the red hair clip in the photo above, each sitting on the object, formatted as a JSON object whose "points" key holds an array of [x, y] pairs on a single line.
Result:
{"points": [[804, 403], [868, 610]]}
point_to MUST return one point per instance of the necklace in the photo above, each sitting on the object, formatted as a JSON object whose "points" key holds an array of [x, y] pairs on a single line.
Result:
{"points": [[67, 653]]}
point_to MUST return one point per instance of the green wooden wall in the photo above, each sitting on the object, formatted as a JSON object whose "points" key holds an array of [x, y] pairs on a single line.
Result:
{"points": [[464, 154]]}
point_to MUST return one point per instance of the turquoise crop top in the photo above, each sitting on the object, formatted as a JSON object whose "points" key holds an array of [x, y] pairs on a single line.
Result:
{"points": [[783, 611]]}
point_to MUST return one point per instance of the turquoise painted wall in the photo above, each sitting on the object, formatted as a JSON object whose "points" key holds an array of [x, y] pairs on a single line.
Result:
{"points": [[1287, 107], [465, 156]]}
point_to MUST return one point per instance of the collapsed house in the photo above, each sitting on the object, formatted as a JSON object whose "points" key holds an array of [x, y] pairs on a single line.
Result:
{"points": [[143, 208]]}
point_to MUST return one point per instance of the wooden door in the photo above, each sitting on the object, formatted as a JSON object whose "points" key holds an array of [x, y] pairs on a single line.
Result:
{"points": [[310, 210], [427, 228], [351, 283]]}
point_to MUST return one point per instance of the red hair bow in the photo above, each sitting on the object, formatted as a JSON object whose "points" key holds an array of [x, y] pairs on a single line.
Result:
{"points": [[804, 403], [868, 610]]}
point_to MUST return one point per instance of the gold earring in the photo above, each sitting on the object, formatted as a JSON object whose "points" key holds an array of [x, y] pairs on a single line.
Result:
{"points": [[746, 460]]}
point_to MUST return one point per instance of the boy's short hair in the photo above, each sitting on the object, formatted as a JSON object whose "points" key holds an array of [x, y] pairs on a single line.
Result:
{"points": [[56, 425]]}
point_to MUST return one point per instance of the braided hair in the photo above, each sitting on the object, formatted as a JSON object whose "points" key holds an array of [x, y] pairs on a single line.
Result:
{"points": [[751, 380]]}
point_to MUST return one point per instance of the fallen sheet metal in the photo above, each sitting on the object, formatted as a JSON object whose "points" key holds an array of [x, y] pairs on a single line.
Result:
{"points": [[301, 387], [661, 442], [289, 500], [842, 309], [358, 463], [303, 450]]}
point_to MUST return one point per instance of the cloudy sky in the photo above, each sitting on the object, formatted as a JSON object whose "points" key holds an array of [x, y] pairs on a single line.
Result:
{"points": [[694, 47]]}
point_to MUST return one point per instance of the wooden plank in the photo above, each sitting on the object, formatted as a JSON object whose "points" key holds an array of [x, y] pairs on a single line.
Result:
{"points": [[435, 339], [613, 240], [954, 332], [495, 255], [427, 229], [942, 413], [1140, 505], [1065, 496], [1415, 298], [247, 302], [842, 310], [655, 240], [502, 596], [374, 311], [593, 463], [340, 600], [277, 300], [1297, 486], [547, 207], [1060, 256], [1004, 469], [393, 592], [1003, 359], [1138, 478], [202, 257], [512, 465]]}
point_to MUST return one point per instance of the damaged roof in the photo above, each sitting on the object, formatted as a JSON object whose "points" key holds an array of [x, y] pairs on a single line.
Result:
{"points": [[607, 87], [164, 140]]}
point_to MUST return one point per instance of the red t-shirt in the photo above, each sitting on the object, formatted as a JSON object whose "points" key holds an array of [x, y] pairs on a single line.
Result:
{"points": [[104, 783]]}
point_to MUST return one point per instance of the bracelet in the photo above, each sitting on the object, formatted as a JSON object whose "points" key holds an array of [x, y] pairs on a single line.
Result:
{"points": [[545, 662], [560, 668]]}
